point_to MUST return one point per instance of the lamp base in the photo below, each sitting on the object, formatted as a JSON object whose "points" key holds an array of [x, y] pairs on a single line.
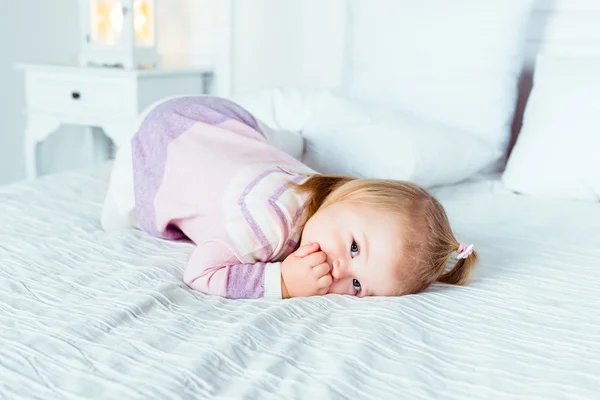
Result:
{"points": [[139, 58]]}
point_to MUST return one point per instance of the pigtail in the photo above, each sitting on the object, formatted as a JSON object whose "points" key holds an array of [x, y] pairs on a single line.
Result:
{"points": [[319, 187], [460, 273]]}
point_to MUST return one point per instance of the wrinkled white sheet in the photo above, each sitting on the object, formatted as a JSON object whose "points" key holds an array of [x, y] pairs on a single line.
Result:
{"points": [[96, 315]]}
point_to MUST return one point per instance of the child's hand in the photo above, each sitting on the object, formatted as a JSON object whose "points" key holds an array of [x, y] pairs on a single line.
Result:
{"points": [[305, 273]]}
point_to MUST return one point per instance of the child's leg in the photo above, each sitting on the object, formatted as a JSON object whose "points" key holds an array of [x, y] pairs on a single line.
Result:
{"points": [[112, 219], [119, 205]]}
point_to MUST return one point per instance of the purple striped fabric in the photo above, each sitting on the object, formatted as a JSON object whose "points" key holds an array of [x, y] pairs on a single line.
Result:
{"points": [[246, 281], [149, 146], [204, 171]]}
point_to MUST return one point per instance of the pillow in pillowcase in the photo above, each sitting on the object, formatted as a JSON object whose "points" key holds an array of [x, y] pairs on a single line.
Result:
{"points": [[557, 154], [457, 62], [349, 137]]}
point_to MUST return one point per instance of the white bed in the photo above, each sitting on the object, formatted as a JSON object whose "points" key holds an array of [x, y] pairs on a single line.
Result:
{"points": [[90, 314]]}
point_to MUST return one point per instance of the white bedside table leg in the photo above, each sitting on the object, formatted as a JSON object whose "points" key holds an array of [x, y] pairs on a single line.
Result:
{"points": [[38, 128], [119, 133], [96, 142]]}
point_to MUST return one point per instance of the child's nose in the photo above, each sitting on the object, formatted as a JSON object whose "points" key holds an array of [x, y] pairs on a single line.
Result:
{"points": [[337, 270]]}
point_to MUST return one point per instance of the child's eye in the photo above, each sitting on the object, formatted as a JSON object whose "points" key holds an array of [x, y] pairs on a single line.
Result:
{"points": [[354, 250], [356, 285]]}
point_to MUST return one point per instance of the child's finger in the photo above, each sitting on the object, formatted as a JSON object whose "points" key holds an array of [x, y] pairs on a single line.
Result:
{"points": [[321, 269], [324, 282], [306, 250], [315, 258], [322, 292]]}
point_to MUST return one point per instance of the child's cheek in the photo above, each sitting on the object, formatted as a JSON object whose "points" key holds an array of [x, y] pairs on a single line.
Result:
{"points": [[340, 287]]}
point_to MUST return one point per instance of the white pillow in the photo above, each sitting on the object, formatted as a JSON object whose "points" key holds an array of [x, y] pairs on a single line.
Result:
{"points": [[557, 153], [456, 62], [353, 138], [285, 109], [350, 137]]}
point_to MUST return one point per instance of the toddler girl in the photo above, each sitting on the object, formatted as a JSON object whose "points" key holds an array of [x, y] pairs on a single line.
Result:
{"points": [[266, 225]]}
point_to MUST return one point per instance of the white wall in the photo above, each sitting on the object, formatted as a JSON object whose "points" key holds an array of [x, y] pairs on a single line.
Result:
{"points": [[46, 31], [186, 31], [30, 31], [287, 43]]}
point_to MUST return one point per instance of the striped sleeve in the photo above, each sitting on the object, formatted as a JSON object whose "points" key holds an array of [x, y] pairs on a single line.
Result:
{"points": [[250, 281], [212, 269]]}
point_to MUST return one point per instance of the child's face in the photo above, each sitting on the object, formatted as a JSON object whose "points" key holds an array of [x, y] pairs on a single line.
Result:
{"points": [[363, 247]]}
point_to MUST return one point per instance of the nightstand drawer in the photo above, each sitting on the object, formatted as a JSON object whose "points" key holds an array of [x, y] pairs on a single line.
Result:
{"points": [[64, 94], [110, 99]]}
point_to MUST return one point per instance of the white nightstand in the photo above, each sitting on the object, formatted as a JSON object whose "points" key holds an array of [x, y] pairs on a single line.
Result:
{"points": [[106, 98]]}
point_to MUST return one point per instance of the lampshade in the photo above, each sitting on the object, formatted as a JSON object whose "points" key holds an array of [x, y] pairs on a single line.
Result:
{"points": [[119, 33]]}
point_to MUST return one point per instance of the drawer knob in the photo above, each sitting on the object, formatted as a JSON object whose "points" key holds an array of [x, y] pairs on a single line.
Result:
{"points": [[75, 95]]}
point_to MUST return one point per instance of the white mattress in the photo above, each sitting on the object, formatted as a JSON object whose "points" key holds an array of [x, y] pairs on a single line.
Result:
{"points": [[89, 314]]}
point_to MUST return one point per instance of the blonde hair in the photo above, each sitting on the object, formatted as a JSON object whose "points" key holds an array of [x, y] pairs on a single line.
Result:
{"points": [[429, 243]]}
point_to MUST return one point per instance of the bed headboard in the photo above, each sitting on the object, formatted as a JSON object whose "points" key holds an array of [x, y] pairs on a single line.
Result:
{"points": [[301, 43]]}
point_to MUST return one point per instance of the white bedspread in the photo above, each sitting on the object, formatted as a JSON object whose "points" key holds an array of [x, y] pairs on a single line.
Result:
{"points": [[87, 314]]}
